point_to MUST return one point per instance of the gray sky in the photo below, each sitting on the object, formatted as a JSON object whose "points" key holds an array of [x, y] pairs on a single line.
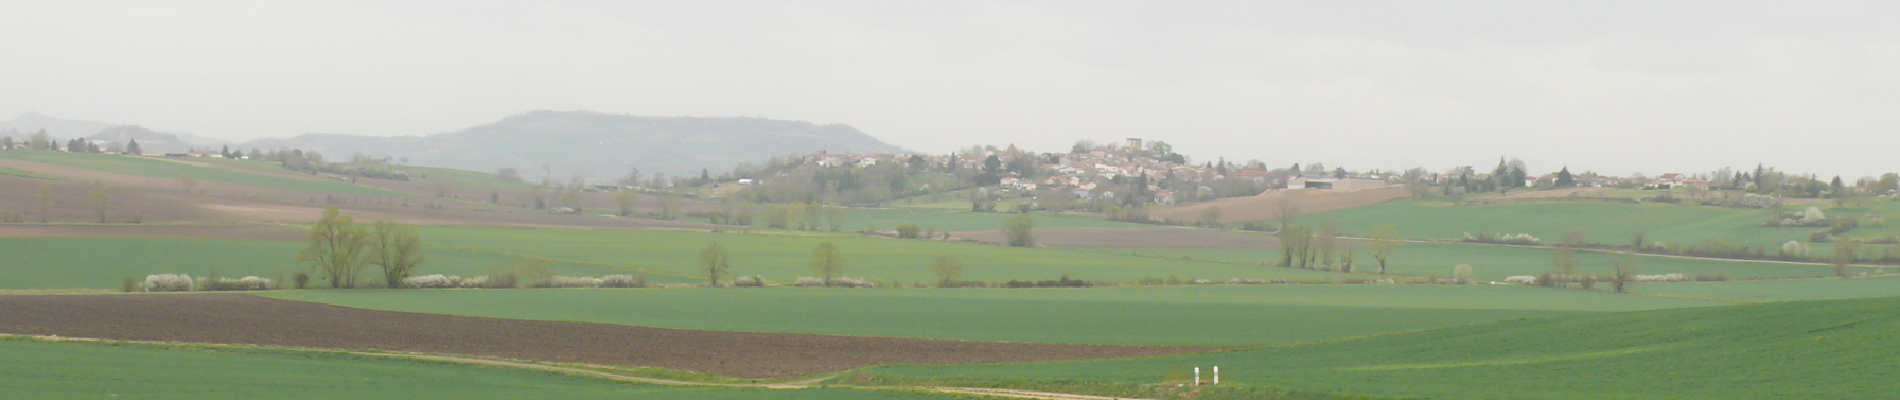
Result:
{"points": [[1613, 87]]}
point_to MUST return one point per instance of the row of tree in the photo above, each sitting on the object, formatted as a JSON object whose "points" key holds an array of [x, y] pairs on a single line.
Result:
{"points": [[45, 142], [340, 248]]}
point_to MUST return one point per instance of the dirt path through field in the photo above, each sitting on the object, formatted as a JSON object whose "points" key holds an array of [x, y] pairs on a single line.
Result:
{"points": [[254, 320]]}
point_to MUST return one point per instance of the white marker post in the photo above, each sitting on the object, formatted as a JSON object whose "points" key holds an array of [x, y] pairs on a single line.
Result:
{"points": [[1197, 376], [1217, 374]]}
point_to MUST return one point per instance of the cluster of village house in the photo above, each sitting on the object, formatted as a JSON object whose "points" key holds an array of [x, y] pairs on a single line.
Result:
{"points": [[1093, 173]]}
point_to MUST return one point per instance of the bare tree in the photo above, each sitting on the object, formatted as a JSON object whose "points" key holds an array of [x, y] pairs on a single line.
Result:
{"points": [[1574, 238], [187, 181], [397, 249], [714, 261], [100, 200], [836, 217], [1565, 259], [1326, 241], [625, 199], [1210, 216], [1626, 266], [826, 261], [1385, 239], [947, 269], [1288, 209], [335, 247], [1019, 230], [45, 199]]}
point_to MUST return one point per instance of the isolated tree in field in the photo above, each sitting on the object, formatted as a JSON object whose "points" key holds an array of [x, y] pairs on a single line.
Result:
{"points": [[714, 261], [1019, 230], [1626, 266], [1843, 256], [1565, 259], [336, 248], [835, 216], [625, 200], [100, 200], [947, 269], [187, 180], [669, 206], [1636, 242], [813, 214], [1574, 238], [1385, 239], [45, 200], [397, 249], [1210, 216], [132, 147], [826, 261], [1462, 273]]}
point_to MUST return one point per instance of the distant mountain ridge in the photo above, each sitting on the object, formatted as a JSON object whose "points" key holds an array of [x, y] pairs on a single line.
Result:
{"points": [[149, 140], [598, 146]]}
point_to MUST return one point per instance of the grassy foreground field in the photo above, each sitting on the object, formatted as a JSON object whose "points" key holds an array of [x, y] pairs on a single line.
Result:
{"points": [[1494, 263], [1838, 349], [1195, 315], [48, 370]]}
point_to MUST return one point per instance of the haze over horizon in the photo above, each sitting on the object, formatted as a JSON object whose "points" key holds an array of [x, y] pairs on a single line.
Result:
{"points": [[1612, 88]]}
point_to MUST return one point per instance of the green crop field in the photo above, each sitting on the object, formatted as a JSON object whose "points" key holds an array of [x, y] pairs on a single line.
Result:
{"points": [[1193, 315], [1836, 349], [159, 168], [25, 174], [785, 256], [1601, 222], [70, 370], [1494, 263], [1803, 289], [963, 219], [99, 263]]}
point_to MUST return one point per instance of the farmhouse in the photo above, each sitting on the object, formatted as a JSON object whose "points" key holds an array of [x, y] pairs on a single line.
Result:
{"points": [[1344, 185]]}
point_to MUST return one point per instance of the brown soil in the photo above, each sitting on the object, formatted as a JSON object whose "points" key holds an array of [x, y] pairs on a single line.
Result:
{"points": [[145, 199], [232, 232], [1266, 206], [246, 319], [1170, 238]]}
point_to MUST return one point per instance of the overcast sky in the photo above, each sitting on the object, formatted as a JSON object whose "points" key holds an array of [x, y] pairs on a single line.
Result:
{"points": [[1613, 87]]}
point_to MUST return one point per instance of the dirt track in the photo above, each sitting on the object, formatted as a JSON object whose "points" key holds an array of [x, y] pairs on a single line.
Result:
{"points": [[1168, 238], [246, 319]]}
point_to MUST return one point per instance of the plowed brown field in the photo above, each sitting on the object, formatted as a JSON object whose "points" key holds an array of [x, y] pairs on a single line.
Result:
{"points": [[246, 319]]}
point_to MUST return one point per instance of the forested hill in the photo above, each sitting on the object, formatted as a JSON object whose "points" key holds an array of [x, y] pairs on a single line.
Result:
{"points": [[598, 146]]}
